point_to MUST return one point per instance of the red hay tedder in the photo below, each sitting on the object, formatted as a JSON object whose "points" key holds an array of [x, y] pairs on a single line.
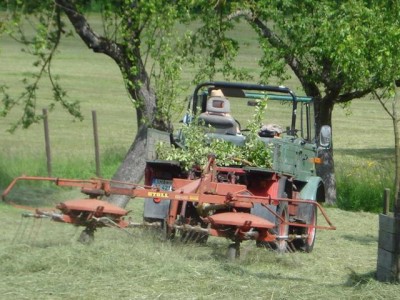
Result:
{"points": [[274, 206], [226, 207]]}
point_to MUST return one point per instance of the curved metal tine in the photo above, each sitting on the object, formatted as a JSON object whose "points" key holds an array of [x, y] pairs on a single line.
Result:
{"points": [[20, 232], [35, 230]]}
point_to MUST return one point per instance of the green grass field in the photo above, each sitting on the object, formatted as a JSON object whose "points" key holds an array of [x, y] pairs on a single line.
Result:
{"points": [[40, 259]]}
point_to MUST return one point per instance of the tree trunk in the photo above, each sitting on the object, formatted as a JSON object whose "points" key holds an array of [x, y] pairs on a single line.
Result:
{"points": [[396, 129], [138, 85], [132, 168], [326, 170]]}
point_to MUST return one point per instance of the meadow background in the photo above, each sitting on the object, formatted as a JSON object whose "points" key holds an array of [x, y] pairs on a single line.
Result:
{"points": [[40, 259]]}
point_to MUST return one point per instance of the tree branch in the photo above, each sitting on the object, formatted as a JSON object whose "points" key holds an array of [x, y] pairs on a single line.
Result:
{"points": [[310, 87], [94, 41], [352, 95], [383, 104]]}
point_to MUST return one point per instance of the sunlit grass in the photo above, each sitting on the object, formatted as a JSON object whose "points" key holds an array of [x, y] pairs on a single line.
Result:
{"points": [[361, 182], [41, 259]]}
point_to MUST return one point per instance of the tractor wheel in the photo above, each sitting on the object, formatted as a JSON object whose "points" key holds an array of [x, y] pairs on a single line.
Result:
{"points": [[233, 251], [282, 229], [307, 244], [311, 232]]}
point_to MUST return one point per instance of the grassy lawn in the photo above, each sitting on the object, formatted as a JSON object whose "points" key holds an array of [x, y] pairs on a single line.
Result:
{"points": [[40, 259]]}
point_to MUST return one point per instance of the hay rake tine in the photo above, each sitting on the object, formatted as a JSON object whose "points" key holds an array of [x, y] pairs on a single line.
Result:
{"points": [[31, 231], [111, 224], [290, 247], [36, 229], [187, 236], [20, 232]]}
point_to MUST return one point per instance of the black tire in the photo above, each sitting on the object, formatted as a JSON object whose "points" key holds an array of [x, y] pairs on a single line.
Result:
{"points": [[307, 244], [282, 229], [311, 232]]}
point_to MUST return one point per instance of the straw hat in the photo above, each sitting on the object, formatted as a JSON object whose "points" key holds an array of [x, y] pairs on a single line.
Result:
{"points": [[217, 93]]}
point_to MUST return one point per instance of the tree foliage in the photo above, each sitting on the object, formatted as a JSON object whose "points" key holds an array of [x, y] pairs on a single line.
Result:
{"points": [[334, 48], [386, 61], [197, 145], [138, 35], [42, 46]]}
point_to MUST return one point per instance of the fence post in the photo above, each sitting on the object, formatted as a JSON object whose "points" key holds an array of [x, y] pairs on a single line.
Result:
{"points": [[96, 143], [47, 141], [386, 201]]}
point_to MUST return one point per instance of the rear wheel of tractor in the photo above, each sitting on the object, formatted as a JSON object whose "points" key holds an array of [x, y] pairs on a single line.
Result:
{"points": [[311, 232], [307, 244], [282, 229], [233, 251]]}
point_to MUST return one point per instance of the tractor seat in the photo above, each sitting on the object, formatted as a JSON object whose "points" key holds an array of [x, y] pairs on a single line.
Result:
{"points": [[217, 116]]}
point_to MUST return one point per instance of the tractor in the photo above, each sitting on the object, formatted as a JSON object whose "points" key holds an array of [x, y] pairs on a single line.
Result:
{"points": [[275, 205]]}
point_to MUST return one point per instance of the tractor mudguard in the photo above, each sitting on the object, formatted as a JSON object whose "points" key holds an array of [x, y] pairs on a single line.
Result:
{"points": [[309, 192]]}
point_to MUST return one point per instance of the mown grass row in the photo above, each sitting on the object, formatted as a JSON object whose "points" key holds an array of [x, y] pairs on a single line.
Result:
{"points": [[42, 260]]}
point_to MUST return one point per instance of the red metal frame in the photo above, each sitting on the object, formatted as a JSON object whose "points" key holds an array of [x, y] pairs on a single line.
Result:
{"points": [[205, 190]]}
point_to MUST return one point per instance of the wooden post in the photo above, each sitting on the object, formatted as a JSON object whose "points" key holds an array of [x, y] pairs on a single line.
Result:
{"points": [[386, 201], [47, 141], [388, 242], [96, 143], [396, 239]]}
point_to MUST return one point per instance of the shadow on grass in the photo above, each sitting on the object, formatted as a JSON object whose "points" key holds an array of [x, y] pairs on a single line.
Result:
{"points": [[41, 195], [357, 280], [364, 239]]}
